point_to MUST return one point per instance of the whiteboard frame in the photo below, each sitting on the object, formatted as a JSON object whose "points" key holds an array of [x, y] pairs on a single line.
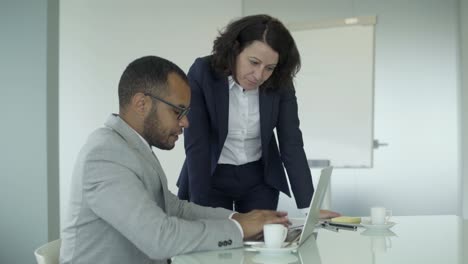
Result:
{"points": [[351, 21]]}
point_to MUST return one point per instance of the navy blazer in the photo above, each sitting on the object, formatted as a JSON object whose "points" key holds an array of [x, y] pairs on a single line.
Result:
{"points": [[204, 138]]}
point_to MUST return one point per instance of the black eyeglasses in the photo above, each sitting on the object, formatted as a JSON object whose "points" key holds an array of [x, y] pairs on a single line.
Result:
{"points": [[182, 111]]}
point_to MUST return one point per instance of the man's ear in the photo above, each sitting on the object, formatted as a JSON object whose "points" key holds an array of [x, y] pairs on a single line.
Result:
{"points": [[141, 103]]}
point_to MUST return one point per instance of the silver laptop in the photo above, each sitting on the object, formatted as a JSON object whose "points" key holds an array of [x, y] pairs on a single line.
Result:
{"points": [[312, 218], [309, 253]]}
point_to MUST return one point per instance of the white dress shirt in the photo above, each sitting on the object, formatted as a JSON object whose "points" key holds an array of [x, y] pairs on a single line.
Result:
{"points": [[243, 143]]}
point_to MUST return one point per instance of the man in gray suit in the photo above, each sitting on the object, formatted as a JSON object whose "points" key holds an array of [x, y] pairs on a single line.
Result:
{"points": [[121, 210]]}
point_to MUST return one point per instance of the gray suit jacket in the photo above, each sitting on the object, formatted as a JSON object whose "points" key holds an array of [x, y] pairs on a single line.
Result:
{"points": [[121, 210]]}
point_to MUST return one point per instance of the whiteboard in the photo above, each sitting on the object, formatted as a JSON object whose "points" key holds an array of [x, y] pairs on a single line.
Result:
{"points": [[334, 90]]}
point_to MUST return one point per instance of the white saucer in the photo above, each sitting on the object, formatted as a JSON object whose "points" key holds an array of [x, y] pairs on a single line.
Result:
{"points": [[262, 249], [367, 224], [253, 243], [378, 233], [275, 258]]}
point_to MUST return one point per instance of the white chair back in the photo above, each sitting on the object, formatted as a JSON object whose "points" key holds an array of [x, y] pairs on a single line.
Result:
{"points": [[48, 253]]}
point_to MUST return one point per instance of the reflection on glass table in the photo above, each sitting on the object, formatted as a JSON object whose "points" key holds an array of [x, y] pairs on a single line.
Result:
{"points": [[233, 256], [380, 241], [413, 240], [307, 253]]}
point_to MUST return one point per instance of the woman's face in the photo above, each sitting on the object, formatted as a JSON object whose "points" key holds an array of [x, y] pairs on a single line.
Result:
{"points": [[255, 64]]}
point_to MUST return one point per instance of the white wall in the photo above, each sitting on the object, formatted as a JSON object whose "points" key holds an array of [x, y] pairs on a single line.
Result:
{"points": [[29, 146], [464, 102], [416, 104], [96, 44]]}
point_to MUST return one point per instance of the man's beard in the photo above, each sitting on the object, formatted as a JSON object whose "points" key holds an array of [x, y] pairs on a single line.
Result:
{"points": [[153, 133]]}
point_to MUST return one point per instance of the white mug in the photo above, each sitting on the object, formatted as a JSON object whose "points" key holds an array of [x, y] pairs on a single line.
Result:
{"points": [[380, 215], [274, 235]]}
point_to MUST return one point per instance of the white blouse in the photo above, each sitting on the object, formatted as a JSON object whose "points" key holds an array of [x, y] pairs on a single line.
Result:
{"points": [[243, 143]]}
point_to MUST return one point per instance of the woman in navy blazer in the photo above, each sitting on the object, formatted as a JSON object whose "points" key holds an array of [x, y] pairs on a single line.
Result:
{"points": [[240, 94]]}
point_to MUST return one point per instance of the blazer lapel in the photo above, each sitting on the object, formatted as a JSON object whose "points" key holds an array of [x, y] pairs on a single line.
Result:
{"points": [[266, 110], [151, 158], [221, 98], [135, 142], [162, 179]]}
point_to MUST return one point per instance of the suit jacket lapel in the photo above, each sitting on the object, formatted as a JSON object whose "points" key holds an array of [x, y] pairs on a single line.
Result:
{"points": [[221, 97], [162, 178], [151, 158], [266, 108], [135, 142]]}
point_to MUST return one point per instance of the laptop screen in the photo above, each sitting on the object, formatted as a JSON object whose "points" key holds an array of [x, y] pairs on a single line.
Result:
{"points": [[306, 229], [312, 218]]}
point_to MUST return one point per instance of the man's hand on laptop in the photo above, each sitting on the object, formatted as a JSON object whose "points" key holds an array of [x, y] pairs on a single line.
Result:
{"points": [[326, 214], [252, 222]]}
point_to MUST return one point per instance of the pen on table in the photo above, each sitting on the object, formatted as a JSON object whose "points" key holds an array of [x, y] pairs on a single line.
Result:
{"points": [[328, 227], [352, 227]]}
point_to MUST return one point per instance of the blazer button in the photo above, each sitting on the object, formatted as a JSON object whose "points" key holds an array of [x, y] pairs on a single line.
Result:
{"points": [[220, 244]]}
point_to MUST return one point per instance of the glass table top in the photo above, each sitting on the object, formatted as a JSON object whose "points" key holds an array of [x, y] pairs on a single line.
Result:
{"points": [[413, 239]]}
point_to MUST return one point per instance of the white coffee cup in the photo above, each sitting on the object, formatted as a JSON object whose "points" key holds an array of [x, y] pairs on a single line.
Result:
{"points": [[380, 215], [274, 235]]}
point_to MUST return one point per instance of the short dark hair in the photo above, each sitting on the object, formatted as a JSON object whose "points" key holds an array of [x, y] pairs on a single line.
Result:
{"points": [[146, 75], [240, 33]]}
